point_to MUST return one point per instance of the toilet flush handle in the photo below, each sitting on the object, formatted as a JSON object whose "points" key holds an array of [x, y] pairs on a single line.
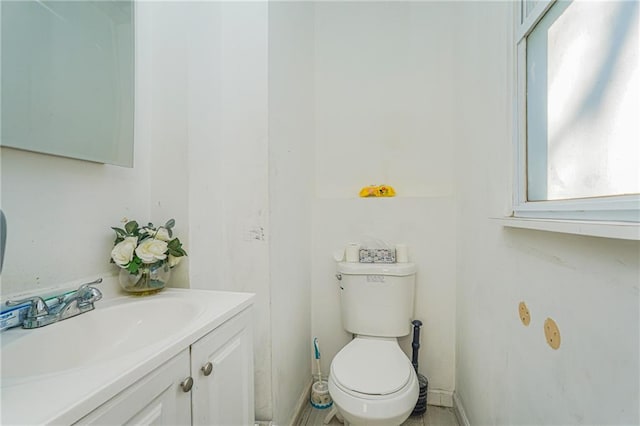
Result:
{"points": [[339, 277]]}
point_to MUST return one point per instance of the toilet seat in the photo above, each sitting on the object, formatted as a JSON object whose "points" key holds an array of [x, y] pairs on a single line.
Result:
{"points": [[371, 367]]}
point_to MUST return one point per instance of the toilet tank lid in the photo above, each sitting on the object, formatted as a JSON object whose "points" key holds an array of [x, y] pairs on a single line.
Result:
{"points": [[396, 269]]}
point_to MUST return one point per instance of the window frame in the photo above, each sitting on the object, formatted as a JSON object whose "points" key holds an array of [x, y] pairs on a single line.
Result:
{"points": [[618, 208]]}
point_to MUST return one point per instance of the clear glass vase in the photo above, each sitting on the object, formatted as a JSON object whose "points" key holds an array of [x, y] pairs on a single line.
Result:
{"points": [[150, 279]]}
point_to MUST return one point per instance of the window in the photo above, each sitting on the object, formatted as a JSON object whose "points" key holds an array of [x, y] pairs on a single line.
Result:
{"points": [[578, 110]]}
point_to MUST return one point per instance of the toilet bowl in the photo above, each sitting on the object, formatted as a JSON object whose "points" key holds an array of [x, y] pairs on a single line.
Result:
{"points": [[372, 382]]}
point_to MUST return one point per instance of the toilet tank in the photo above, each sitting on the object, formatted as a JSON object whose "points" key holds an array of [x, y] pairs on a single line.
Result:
{"points": [[377, 299]]}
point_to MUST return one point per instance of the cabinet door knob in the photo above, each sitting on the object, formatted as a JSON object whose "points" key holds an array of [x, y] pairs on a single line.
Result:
{"points": [[207, 369], [187, 384]]}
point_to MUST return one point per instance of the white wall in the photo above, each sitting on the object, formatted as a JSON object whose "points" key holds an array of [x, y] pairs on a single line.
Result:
{"points": [[210, 74], [233, 85], [59, 213], [164, 58], [383, 99], [291, 168], [506, 374]]}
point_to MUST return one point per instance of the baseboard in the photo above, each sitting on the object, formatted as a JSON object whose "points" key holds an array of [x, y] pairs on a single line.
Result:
{"points": [[458, 409], [440, 398], [302, 404]]}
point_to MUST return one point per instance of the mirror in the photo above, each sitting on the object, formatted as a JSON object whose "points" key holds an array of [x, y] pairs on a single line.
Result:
{"points": [[67, 78]]}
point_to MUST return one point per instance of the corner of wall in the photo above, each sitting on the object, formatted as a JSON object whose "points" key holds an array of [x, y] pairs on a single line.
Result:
{"points": [[458, 409]]}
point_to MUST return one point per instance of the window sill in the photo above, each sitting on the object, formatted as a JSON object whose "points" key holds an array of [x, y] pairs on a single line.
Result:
{"points": [[616, 230]]}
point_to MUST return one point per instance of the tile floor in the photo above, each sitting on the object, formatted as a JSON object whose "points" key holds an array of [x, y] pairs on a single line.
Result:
{"points": [[435, 416]]}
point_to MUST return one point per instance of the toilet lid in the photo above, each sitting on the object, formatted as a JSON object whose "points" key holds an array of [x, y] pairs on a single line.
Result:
{"points": [[370, 366]]}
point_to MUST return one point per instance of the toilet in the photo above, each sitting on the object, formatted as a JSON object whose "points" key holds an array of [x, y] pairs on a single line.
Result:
{"points": [[371, 380]]}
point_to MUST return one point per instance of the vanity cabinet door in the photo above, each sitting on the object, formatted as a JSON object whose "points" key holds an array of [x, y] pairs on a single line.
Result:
{"points": [[156, 399], [222, 371]]}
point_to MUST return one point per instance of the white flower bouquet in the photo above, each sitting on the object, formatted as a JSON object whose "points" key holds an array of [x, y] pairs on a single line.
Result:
{"points": [[145, 247]]}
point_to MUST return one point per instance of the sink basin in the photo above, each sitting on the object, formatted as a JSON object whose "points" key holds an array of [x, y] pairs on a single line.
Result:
{"points": [[101, 335]]}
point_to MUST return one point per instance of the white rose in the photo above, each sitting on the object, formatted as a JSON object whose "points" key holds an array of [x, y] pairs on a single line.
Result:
{"points": [[122, 253], [152, 250], [162, 234], [173, 260]]}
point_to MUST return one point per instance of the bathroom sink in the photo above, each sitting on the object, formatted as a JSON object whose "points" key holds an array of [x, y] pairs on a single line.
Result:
{"points": [[59, 373], [109, 332]]}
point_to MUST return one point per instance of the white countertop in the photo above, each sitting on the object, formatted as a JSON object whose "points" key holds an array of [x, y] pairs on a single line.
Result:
{"points": [[67, 396]]}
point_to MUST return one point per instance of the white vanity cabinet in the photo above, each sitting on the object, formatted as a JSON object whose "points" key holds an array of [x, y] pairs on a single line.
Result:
{"points": [[221, 367], [222, 371]]}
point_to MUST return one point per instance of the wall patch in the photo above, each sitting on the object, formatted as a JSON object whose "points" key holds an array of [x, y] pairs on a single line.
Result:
{"points": [[525, 316], [552, 333]]}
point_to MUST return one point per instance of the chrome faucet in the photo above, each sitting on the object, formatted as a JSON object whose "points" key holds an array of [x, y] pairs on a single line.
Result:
{"points": [[76, 303]]}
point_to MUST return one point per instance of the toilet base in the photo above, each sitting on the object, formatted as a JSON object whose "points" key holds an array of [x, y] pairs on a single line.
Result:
{"points": [[334, 413], [396, 421]]}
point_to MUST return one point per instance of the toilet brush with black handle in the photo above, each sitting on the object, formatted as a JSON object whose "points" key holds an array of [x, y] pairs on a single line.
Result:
{"points": [[421, 405]]}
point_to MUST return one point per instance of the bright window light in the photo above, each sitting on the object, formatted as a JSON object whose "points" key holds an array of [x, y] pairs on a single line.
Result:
{"points": [[579, 98]]}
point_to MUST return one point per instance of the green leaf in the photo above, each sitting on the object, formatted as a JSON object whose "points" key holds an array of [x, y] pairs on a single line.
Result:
{"points": [[134, 265], [170, 223], [119, 231], [131, 227], [177, 251], [175, 248], [144, 238]]}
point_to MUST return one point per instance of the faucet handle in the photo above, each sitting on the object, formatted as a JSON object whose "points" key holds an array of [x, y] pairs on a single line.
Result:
{"points": [[87, 294], [37, 309], [87, 285]]}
